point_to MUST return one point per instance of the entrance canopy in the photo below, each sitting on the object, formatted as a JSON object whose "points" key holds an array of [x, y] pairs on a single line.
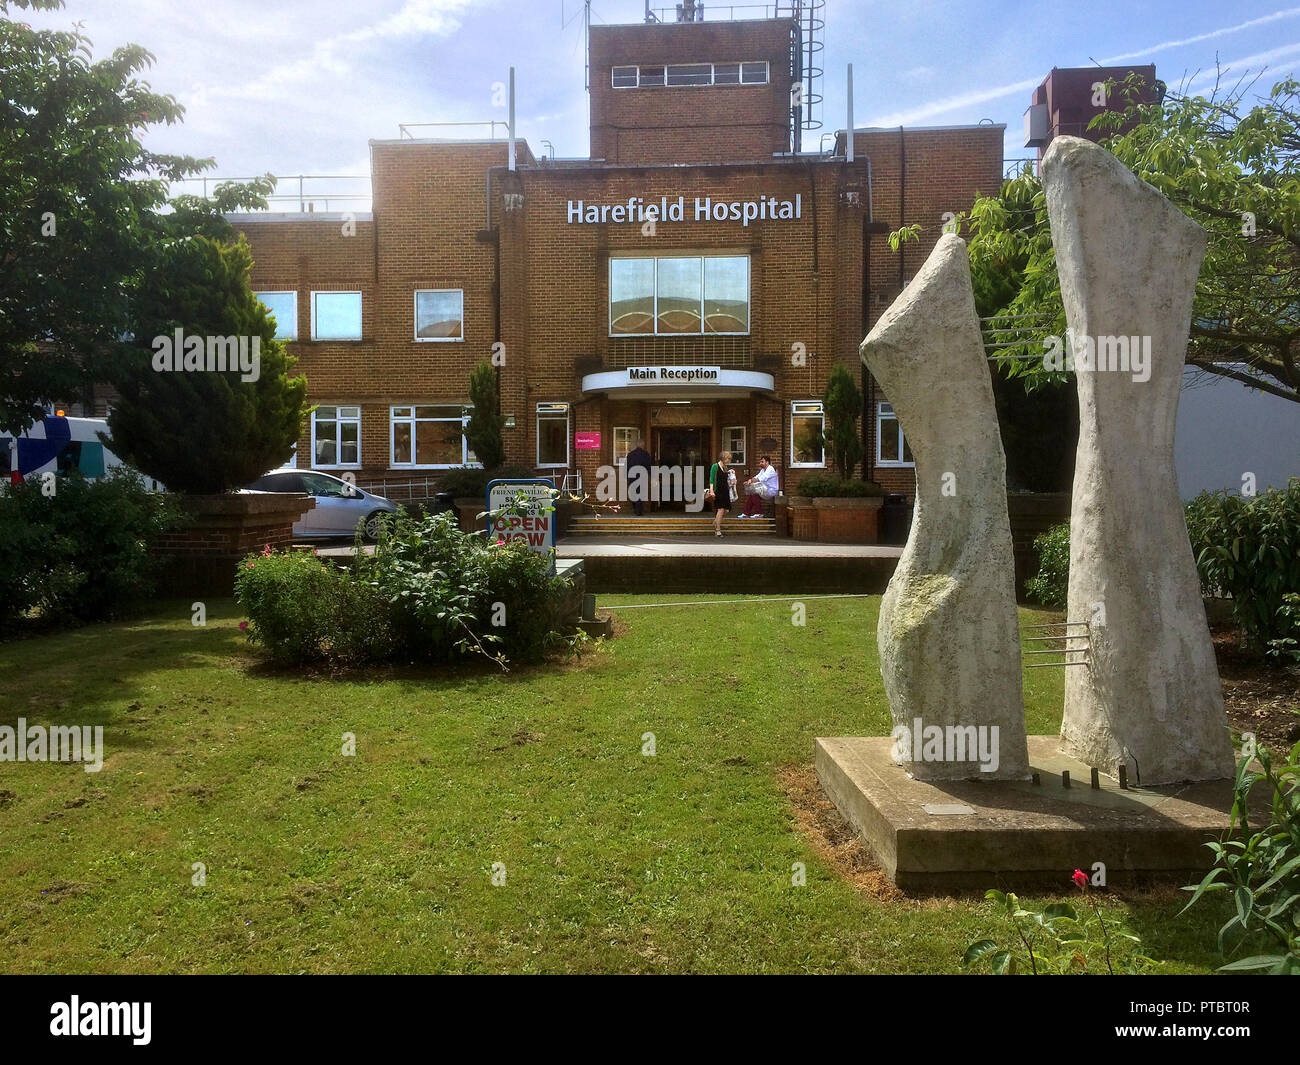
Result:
{"points": [[677, 382]]}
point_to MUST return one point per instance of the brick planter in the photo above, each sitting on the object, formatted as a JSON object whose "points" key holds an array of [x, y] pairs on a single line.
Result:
{"points": [[803, 518], [848, 521], [781, 512], [200, 557]]}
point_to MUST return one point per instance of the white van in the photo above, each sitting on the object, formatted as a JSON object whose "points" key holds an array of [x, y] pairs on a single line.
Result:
{"points": [[56, 444]]}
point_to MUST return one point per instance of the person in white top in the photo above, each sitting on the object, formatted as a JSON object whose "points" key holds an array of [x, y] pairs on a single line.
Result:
{"points": [[760, 488]]}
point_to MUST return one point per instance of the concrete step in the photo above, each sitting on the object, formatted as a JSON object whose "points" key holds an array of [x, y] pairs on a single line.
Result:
{"points": [[686, 526]]}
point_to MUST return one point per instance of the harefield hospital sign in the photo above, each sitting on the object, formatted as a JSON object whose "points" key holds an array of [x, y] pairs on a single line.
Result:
{"points": [[703, 209]]}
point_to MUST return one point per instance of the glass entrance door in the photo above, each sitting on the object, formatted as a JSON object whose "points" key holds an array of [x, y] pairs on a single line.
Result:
{"points": [[684, 447]]}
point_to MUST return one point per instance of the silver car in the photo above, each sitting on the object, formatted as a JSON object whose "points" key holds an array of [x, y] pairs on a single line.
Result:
{"points": [[340, 506]]}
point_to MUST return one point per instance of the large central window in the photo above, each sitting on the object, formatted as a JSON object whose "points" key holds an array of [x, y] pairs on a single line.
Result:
{"points": [[676, 295]]}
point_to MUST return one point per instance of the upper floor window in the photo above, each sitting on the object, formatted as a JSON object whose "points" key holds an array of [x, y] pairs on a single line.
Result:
{"points": [[284, 309], [675, 295], [676, 75], [440, 314], [336, 316]]}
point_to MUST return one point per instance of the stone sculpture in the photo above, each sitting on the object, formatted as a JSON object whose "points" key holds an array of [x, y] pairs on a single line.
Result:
{"points": [[948, 634], [1149, 697]]}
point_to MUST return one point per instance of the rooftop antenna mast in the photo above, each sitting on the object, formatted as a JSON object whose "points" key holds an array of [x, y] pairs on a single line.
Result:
{"points": [[586, 38]]}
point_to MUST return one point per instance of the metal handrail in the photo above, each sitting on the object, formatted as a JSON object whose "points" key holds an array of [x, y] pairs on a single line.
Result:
{"points": [[404, 128]]}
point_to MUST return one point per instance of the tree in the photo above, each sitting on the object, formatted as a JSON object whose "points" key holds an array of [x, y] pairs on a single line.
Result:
{"points": [[842, 403], [81, 219], [181, 418], [1235, 169], [483, 430]]}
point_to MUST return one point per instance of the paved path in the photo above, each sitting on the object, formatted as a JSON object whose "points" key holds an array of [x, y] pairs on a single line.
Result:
{"points": [[741, 546]]}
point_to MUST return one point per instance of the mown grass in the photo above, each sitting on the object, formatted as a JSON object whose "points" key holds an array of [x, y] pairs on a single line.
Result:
{"points": [[614, 861]]}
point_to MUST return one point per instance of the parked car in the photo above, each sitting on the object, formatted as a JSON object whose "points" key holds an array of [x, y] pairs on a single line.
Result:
{"points": [[340, 506]]}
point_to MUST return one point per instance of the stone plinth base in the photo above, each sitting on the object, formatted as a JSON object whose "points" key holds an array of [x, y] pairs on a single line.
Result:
{"points": [[202, 554], [973, 835]]}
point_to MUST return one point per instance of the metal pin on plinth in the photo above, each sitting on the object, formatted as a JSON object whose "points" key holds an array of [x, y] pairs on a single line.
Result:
{"points": [[1096, 780], [1123, 777], [1065, 778]]}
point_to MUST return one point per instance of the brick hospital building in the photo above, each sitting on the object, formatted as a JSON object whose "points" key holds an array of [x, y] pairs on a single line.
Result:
{"points": [[692, 283]]}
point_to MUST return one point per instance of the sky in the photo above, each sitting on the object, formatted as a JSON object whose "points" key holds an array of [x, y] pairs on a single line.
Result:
{"points": [[299, 87]]}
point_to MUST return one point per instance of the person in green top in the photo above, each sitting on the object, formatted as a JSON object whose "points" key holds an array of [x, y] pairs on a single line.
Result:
{"points": [[720, 489]]}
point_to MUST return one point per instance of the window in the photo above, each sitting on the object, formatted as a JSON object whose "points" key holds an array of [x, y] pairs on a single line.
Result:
{"points": [[317, 484], [439, 314], [676, 295], [806, 434], [624, 442], [429, 436], [891, 447], [284, 309], [336, 436], [685, 74], [733, 440], [690, 74], [336, 316], [552, 434], [726, 294]]}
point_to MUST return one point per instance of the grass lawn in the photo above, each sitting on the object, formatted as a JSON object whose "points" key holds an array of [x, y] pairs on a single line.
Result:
{"points": [[614, 861]]}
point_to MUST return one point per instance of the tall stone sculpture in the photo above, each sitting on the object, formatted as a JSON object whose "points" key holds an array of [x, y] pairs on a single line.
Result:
{"points": [[948, 634], [1149, 697]]}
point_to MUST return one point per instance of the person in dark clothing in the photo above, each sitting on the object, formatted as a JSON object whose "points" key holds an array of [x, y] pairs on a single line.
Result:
{"points": [[638, 483], [721, 490]]}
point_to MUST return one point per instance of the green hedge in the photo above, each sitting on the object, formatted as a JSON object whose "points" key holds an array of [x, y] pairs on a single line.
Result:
{"points": [[1247, 549], [428, 593], [81, 554]]}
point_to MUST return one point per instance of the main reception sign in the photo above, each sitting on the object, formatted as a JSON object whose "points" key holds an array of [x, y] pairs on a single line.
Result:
{"points": [[644, 382], [704, 209]]}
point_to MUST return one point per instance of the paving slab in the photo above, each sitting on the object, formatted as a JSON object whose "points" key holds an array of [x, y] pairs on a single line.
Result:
{"points": [[958, 836]]}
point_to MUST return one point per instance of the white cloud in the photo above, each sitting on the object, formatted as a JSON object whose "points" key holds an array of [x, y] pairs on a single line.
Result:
{"points": [[960, 101]]}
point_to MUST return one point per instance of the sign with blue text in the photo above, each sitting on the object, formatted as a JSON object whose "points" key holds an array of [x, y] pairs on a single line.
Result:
{"points": [[533, 523]]}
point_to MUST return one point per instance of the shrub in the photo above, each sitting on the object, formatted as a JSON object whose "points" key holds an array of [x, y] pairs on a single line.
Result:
{"points": [[1050, 585], [843, 405], [303, 610], [483, 431], [1248, 548], [828, 485], [466, 481], [428, 593], [1262, 869], [82, 554]]}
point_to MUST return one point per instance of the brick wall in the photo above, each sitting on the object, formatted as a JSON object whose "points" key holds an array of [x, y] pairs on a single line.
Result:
{"points": [[428, 231], [690, 123]]}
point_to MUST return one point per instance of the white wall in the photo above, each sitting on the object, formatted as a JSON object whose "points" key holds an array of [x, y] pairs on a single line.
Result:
{"points": [[1226, 429]]}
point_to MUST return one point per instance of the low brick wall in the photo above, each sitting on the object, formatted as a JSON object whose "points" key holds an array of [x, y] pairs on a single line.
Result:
{"points": [[201, 555]]}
